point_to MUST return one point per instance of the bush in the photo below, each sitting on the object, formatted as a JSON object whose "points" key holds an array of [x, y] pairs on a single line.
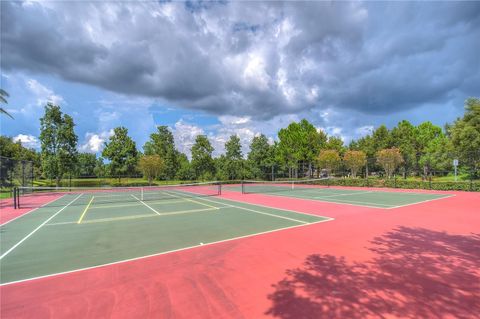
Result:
{"points": [[406, 184]]}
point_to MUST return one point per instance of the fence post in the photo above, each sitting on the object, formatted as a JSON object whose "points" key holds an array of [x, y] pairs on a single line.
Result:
{"points": [[14, 197]]}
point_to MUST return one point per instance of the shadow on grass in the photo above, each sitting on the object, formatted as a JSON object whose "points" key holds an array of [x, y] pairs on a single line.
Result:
{"points": [[417, 273]]}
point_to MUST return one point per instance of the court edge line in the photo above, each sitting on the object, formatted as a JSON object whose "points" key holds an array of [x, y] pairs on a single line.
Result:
{"points": [[85, 210], [189, 199], [386, 190], [285, 210], [141, 201], [113, 219], [316, 200], [345, 194], [263, 213], [327, 219], [423, 201], [354, 202], [33, 210], [102, 205], [36, 229]]}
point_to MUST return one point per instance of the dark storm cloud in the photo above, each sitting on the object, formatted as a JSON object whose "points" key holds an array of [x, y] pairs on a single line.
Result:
{"points": [[257, 59]]}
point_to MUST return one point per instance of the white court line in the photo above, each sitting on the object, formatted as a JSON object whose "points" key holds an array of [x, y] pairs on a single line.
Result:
{"points": [[102, 205], [122, 218], [258, 212], [286, 210], [351, 203], [345, 194], [165, 252], [31, 211], [35, 230], [189, 199], [141, 201], [423, 201]]}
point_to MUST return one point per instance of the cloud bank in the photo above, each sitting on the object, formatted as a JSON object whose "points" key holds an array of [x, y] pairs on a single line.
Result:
{"points": [[259, 59]]}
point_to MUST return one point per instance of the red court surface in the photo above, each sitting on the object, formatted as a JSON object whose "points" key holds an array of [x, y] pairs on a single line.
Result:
{"points": [[418, 261], [8, 213]]}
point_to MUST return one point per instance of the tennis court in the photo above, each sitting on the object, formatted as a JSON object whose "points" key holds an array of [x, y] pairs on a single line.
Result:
{"points": [[318, 189], [84, 228]]}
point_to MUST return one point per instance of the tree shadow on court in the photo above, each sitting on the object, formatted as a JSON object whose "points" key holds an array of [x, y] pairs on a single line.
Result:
{"points": [[416, 273]]}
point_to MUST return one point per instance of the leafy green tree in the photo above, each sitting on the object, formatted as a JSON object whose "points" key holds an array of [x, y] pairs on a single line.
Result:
{"points": [[335, 143], [233, 158], [381, 138], [405, 139], [428, 136], [122, 152], [220, 164], [86, 163], [162, 143], [59, 143], [354, 161], [437, 155], [100, 170], [3, 100], [151, 166], [299, 142], [16, 151], [202, 162], [185, 171], [389, 159], [465, 134], [329, 160], [261, 157]]}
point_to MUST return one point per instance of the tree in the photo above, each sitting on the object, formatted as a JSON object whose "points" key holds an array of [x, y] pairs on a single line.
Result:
{"points": [[335, 143], [389, 159], [100, 170], [151, 166], [404, 138], [261, 157], [122, 152], [437, 155], [19, 153], [299, 142], [162, 143], [428, 138], [465, 134], [329, 160], [381, 138], [3, 100], [233, 158], [86, 164], [354, 161], [202, 162], [185, 170], [59, 143]]}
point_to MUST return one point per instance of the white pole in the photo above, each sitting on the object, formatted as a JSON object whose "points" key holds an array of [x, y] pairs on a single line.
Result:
{"points": [[455, 173]]}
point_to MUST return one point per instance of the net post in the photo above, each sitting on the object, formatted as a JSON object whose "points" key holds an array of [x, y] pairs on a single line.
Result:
{"points": [[219, 188], [141, 193], [243, 187]]}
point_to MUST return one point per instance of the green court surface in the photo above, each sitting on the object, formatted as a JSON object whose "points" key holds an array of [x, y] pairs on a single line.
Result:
{"points": [[368, 198], [76, 232]]}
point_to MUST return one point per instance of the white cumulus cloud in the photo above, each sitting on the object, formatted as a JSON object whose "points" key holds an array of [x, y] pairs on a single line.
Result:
{"points": [[94, 141], [28, 141], [43, 94]]}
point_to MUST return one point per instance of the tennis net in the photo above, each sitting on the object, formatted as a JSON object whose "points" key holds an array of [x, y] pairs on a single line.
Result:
{"points": [[32, 197], [251, 187]]}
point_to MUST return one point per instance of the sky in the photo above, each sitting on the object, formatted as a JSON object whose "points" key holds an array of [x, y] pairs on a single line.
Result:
{"points": [[245, 68]]}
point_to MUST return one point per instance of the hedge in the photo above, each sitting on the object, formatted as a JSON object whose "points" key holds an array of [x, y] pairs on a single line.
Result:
{"points": [[401, 183]]}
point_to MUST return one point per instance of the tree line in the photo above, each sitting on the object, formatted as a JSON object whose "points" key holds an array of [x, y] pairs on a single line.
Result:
{"points": [[300, 150]]}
